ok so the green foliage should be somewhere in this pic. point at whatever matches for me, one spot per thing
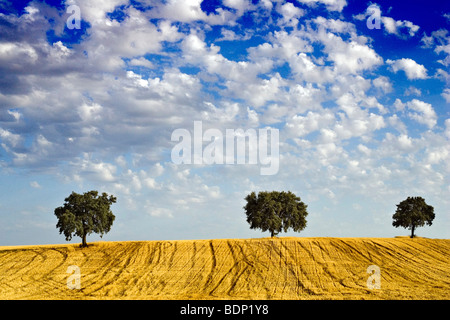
(412, 213)
(275, 211)
(85, 213)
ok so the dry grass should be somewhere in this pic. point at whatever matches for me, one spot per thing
(284, 268)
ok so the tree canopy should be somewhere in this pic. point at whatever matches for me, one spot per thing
(275, 211)
(412, 213)
(83, 214)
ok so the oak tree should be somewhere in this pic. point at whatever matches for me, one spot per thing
(412, 213)
(275, 211)
(85, 213)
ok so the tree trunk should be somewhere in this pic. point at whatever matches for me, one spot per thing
(271, 234)
(412, 231)
(84, 244)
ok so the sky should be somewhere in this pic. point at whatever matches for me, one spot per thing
(91, 92)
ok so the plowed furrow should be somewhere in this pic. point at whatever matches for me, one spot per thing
(279, 268)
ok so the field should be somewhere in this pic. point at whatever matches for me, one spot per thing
(280, 268)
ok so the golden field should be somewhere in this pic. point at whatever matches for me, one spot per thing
(279, 268)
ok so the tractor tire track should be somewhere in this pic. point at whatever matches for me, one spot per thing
(280, 268)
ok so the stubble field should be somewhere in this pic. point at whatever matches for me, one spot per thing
(281, 268)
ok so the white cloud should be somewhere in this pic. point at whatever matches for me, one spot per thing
(373, 9)
(259, 92)
(95, 11)
(446, 94)
(95, 170)
(424, 112)
(80, 111)
(128, 38)
(351, 57)
(299, 126)
(440, 39)
(396, 123)
(383, 83)
(393, 145)
(364, 149)
(399, 105)
(290, 14)
(240, 6)
(356, 122)
(141, 62)
(402, 29)
(336, 26)
(10, 139)
(190, 11)
(90, 113)
(418, 110)
(196, 52)
(158, 212)
(331, 5)
(11, 52)
(35, 184)
(413, 91)
(305, 69)
(282, 45)
(447, 128)
(412, 69)
(427, 40)
(438, 155)
(230, 35)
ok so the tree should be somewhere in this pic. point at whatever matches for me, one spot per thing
(85, 213)
(275, 211)
(412, 213)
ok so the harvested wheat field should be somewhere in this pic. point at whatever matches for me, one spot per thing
(280, 268)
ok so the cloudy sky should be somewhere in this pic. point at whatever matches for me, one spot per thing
(362, 112)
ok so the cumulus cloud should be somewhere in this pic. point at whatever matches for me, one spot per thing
(422, 112)
(412, 69)
(10, 139)
(440, 41)
(392, 144)
(95, 12)
(190, 11)
(313, 121)
(332, 5)
(383, 83)
(402, 29)
(35, 184)
(99, 110)
(95, 169)
(141, 62)
(418, 110)
(290, 14)
(357, 121)
(446, 94)
(447, 128)
(158, 212)
(353, 57)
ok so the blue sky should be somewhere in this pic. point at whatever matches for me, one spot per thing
(363, 114)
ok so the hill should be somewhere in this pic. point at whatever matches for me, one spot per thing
(281, 268)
